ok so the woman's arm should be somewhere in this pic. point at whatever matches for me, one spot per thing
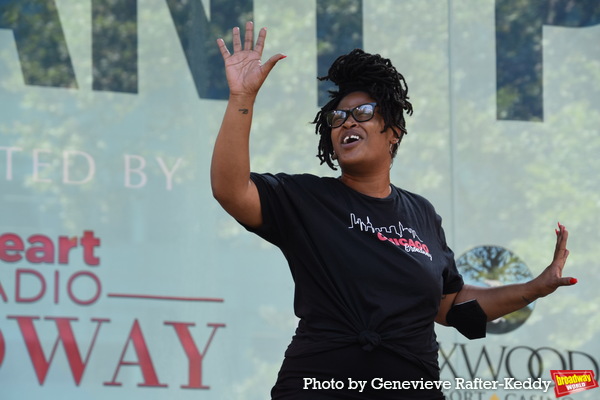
(230, 166)
(502, 300)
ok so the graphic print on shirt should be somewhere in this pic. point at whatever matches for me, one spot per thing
(406, 237)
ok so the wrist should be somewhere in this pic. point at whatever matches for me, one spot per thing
(242, 99)
(531, 291)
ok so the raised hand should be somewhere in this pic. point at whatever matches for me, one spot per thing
(551, 278)
(244, 70)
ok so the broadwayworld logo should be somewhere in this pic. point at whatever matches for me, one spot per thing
(572, 381)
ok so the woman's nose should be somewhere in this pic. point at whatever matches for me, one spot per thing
(350, 121)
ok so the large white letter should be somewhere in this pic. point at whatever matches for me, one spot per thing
(138, 170)
(9, 151)
(37, 164)
(90, 162)
(168, 174)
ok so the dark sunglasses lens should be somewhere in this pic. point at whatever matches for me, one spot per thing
(335, 118)
(363, 113)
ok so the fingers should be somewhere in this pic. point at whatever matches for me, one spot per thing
(248, 36)
(268, 66)
(223, 48)
(248, 40)
(562, 235)
(244, 62)
(260, 42)
(237, 41)
(561, 253)
(561, 229)
(569, 281)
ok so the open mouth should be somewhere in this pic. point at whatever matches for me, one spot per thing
(351, 139)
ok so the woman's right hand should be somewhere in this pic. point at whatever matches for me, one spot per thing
(244, 70)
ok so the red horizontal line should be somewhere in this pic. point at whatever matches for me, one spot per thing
(155, 297)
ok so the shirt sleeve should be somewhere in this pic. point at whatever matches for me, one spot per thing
(453, 281)
(274, 207)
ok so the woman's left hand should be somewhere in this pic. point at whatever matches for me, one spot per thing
(552, 277)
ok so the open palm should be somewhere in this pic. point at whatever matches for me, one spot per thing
(244, 70)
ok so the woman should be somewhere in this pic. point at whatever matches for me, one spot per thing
(370, 262)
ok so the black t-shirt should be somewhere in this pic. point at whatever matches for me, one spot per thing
(366, 270)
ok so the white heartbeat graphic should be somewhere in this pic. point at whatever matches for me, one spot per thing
(368, 227)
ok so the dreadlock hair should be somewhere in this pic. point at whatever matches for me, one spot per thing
(375, 75)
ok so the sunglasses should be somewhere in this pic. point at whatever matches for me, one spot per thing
(362, 113)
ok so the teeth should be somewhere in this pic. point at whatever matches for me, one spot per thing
(351, 137)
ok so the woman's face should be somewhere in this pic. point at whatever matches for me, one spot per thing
(361, 146)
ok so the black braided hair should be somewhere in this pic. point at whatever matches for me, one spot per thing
(375, 75)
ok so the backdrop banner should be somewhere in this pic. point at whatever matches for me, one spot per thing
(122, 278)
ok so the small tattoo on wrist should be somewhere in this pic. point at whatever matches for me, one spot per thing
(243, 110)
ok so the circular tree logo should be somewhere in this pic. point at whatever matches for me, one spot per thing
(496, 266)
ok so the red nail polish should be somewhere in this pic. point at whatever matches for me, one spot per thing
(573, 281)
